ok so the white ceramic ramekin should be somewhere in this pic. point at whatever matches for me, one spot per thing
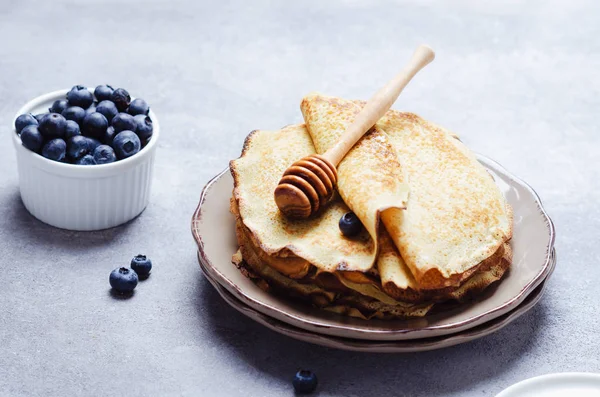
(78, 197)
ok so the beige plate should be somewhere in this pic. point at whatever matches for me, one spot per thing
(404, 346)
(213, 228)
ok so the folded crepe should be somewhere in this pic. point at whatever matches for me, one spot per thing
(370, 178)
(456, 216)
(311, 259)
(316, 241)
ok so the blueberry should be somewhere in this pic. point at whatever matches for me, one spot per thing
(126, 144)
(77, 147)
(91, 109)
(39, 117)
(24, 120)
(105, 154)
(141, 265)
(108, 109)
(124, 121)
(58, 106)
(109, 135)
(350, 224)
(93, 144)
(56, 149)
(145, 142)
(32, 138)
(71, 129)
(80, 96)
(88, 159)
(138, 106)
(53, 125)
(305, 382)
(121, 98)
(103, 92)
(74, 113)
(123, 280)
(94, 125)
(143, 126)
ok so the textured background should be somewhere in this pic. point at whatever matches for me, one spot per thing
(517, 80)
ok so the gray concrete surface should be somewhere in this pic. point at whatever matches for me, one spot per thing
(518, 80)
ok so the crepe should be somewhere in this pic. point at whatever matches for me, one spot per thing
(370, 178)
(457, 216)
(397, 281)
(317, 240)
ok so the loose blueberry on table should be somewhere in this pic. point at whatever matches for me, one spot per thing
(305, 382)
(83, 128)
(350, 225)
(123, 280)
(141, 265)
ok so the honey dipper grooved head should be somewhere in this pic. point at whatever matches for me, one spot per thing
(306, 186)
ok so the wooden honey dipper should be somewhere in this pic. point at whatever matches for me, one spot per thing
(308, 184)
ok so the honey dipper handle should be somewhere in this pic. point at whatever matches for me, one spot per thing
(379, 104)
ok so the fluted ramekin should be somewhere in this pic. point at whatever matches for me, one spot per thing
(78, 197)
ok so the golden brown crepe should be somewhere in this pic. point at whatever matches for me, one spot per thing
(318, 240)
(457, 216)
(370, 178)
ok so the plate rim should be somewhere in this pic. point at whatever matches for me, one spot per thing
(541, 379)
(382, 333)
(379, 346)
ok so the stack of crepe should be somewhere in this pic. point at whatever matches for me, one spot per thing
(436, 226)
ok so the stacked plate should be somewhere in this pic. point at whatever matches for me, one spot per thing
(534, 260)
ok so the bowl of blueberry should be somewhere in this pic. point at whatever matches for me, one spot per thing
(85, 157)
